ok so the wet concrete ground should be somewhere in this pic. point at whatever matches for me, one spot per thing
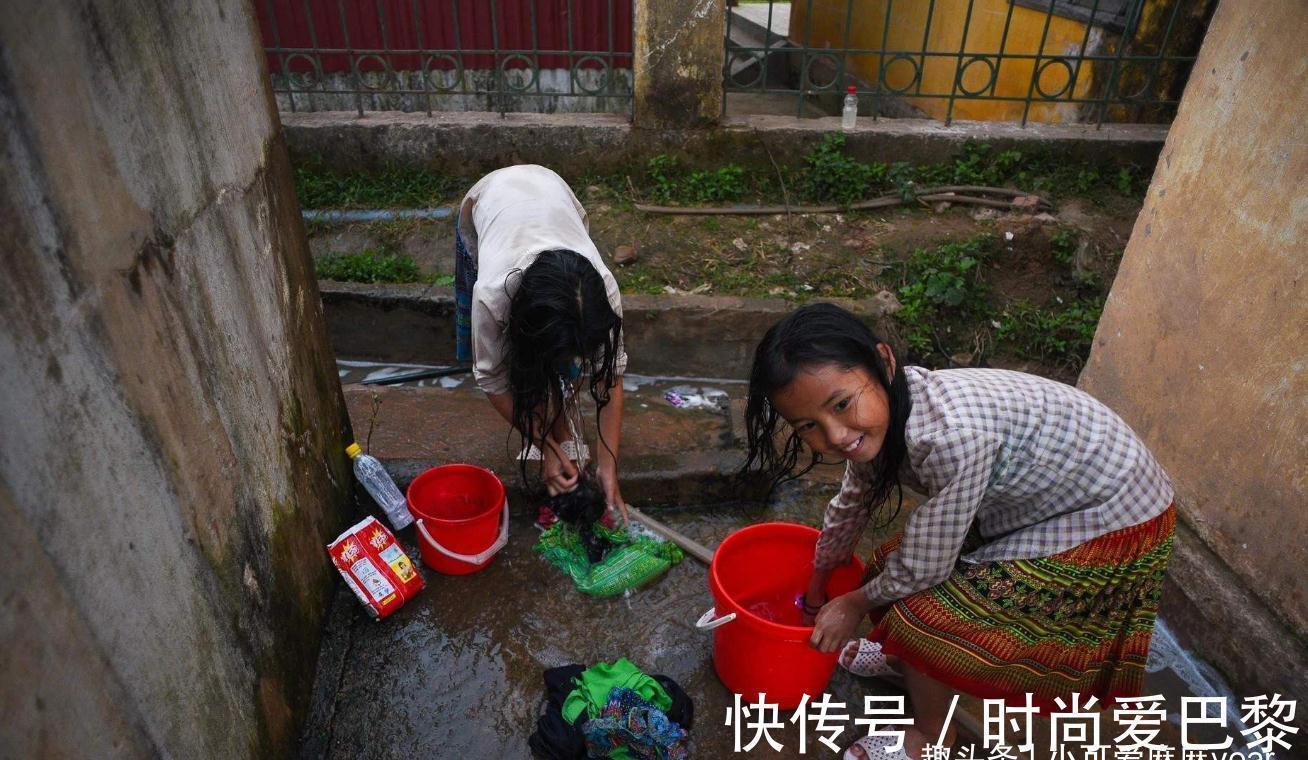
(457, 671)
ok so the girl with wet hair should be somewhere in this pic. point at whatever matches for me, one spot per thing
(1033, 567)
(540, 318)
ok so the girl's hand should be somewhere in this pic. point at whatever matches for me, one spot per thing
(836, 622)
(608, 478)
(560, 473)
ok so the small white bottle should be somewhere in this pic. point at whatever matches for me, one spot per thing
(850, 112)
(380, 487)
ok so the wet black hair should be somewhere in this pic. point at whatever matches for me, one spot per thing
(559, 313)
(814, 336)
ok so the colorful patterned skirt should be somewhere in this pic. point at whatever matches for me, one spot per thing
(1079, 621)
(465, 276)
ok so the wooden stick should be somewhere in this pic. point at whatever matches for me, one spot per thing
(692, 547)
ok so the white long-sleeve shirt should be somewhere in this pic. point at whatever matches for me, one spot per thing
(506, 220)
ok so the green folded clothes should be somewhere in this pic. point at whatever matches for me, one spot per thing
(595, 683)
(629, 563)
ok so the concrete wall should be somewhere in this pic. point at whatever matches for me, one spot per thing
(170, 461)
(470, 144)
(687, 335)
(1203, 346)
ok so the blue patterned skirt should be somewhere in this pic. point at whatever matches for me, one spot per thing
(465, 276)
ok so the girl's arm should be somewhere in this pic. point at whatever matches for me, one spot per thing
(843, 522)
(606, 455)
(958, 470)
(560, 474)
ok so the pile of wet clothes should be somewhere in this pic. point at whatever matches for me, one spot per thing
(612, 710)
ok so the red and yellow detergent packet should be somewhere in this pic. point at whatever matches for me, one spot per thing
(375, 567)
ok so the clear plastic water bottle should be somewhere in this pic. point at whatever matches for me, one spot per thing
(849, 113)
(380, 487)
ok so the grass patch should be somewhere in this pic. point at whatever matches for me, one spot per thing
(942, 288)
(669, 184)
(374, 266)
(392, 187)
(828, 174)
(1061, 336)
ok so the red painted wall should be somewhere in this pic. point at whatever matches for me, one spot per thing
(363, 30)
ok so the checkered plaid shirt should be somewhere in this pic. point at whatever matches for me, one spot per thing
(1038, 466)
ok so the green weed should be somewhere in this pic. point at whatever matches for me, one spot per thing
(369, 266)
(1063, 244)
(392, 187)
(830, 175)
(670, 185)
(942, 286)
(1060, 334)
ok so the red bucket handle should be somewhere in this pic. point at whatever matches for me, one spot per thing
(473, 559)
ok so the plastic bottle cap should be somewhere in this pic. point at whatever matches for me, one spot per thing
(851, 89)
(353, 450)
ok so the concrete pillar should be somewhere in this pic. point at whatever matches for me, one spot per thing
(678, 57)
(171, 426)
(1203, 346)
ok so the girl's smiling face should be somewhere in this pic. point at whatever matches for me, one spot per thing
(836, 411)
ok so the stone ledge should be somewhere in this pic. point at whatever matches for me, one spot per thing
(672, 335)
(470, 144)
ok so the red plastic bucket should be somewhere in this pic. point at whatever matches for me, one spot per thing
(759, 646)
(462, 517)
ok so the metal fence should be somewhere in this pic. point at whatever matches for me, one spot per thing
(435, 55)
(1016, 60)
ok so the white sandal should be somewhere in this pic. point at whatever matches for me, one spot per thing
(868, 661)
(875, 748)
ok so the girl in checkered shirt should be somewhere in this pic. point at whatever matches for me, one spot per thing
(1034, 565)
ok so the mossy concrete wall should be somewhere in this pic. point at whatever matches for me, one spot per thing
(171, 425)
(1203, 346)
(578, 145)
(680, 335)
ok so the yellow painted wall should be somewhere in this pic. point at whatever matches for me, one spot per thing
(907, 28)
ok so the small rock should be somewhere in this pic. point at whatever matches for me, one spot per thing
(1008, 236)
(886, 303)
(624, 254)
(797, 248)
(984, 214)
(740, 244)
(942, 206)
(806, 287)
(1045, 218)
(840, 218)
(1027, 202)
(962, 359)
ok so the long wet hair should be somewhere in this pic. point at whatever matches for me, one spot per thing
(811, 337)
(559, 314)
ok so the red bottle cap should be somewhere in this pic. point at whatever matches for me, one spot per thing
(851, 89)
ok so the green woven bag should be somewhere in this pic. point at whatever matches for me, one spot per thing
(632, 562)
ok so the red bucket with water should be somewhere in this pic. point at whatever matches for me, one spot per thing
(760, 646)
(462, 517)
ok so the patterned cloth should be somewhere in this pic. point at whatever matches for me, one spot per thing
(465, 277)
(629, 726)
(1076, 622)
(1037, 465)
